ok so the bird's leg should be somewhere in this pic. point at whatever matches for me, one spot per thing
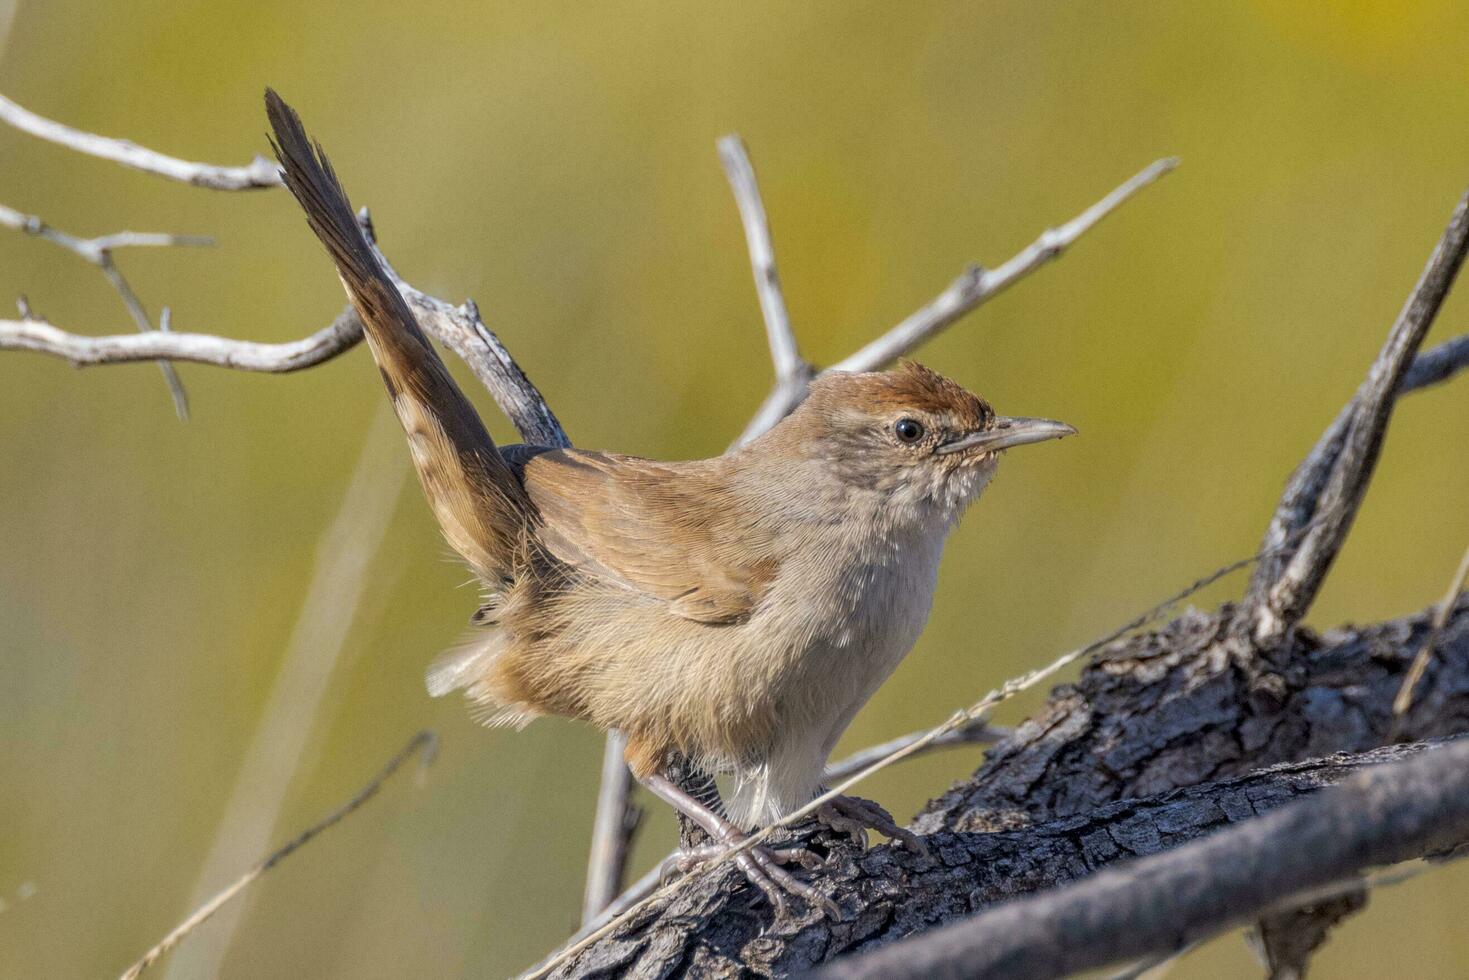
(852, 815)
(761, 865)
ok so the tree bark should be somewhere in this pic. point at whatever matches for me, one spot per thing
(1165, 737)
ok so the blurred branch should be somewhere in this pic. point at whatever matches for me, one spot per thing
(1436, 365)
(613, 827)
(1385, 814)
(258, 173)
(98, 252)
(1333, 478)
(423, 742)
(974, 287)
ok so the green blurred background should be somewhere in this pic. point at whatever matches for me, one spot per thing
(556, 162)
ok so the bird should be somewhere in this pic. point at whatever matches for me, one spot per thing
(734, 612)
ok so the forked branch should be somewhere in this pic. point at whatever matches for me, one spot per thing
(1333, 479)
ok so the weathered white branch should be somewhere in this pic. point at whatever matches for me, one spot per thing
(976, 286)
(784, 351)
(241, 355)
(258, 173)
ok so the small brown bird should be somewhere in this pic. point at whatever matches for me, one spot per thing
(734, 611)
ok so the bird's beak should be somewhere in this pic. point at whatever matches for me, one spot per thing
(1006, 433)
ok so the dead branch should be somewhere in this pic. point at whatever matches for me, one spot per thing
(1335, 476)
(258, 173)
(1386, 813)
(33, 334)
(1171, 711)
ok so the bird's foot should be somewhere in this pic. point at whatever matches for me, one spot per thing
(853, 816)
(762, 867)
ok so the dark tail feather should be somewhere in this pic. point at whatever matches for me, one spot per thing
(478, 501)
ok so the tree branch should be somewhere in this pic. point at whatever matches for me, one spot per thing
(1333, 479)
(98, 252)
(37, 335)
(976, 286)
(784, 351)
(258, 173)
(1391, 812)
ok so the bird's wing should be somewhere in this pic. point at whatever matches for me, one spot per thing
(669, 530)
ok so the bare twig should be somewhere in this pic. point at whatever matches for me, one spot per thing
(423, 742)
(1336, 473)
(1404, 700)
(33, 334)
(973, 288)
(98, 252)
(741, 173)
(975, 285)
(1389, 813)
(258, 173)
(1306, 484)
(974, 733)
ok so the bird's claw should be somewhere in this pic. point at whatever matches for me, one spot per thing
(762, 867)
(853, 816)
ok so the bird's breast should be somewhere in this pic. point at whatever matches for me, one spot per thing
(842, 616)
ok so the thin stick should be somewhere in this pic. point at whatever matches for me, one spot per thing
(976, 286)
(98, 252)
(741, 173)
(1404, 699)
(974, 733)
(258, 173)
(424, 742)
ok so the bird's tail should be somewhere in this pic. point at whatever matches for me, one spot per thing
(481, 506)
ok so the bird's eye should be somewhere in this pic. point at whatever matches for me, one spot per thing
(908, 430)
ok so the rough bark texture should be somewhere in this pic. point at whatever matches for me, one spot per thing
(1165, 737)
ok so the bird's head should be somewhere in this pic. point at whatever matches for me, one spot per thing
(911, 435)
